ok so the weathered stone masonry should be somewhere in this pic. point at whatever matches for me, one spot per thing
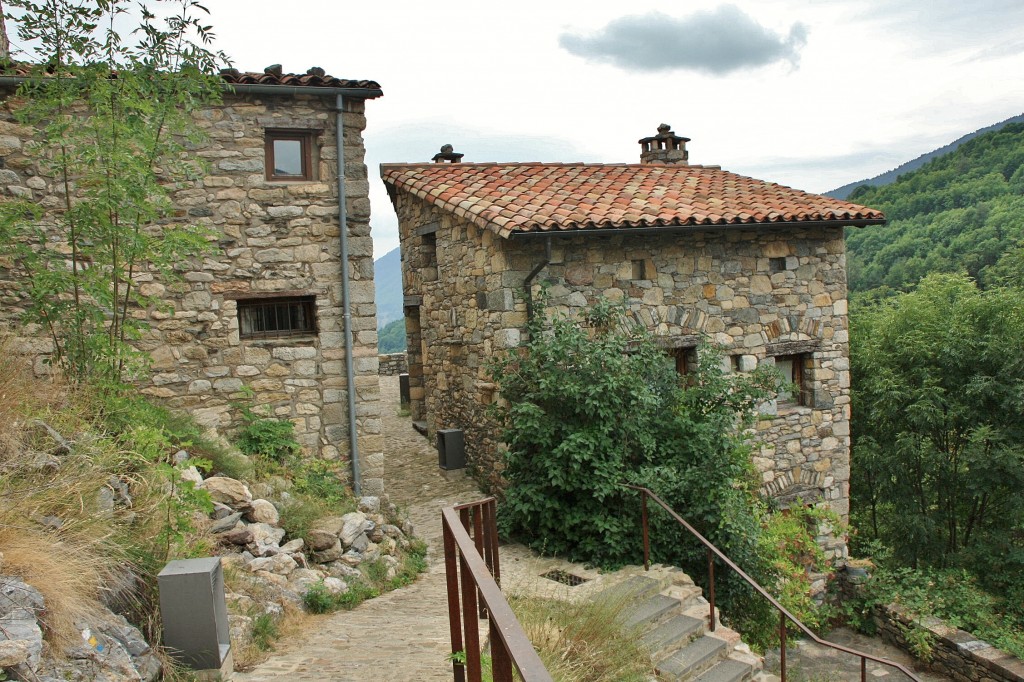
(273, 239)
(714, 283)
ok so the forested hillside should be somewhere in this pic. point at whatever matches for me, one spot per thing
(904, 168)
(960, 212)
(387, 277)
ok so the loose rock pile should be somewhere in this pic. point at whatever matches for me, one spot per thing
(279, 572)
(268, 572)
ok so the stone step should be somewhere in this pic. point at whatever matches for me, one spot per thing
(631, 589)
(650, 612)
(672, 634)
(726, 671)
(697, 657)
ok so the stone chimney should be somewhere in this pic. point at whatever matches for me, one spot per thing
(448, 154)
(664, 148)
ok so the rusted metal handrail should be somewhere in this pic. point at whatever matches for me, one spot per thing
(472, 572)
(784, 614)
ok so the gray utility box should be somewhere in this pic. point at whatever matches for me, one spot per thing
(403, 389)
(195, 616)
(451, 449)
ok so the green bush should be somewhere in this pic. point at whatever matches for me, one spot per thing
(318, 599)
(595, 403)
(270, 438)
(950, 594)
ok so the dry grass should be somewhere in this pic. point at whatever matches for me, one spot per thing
(69, 576)
(71, 565)
(584, 641)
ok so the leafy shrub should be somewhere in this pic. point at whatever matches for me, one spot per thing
(595, 403)
(270, 438)
(950, 594)
(264, 631)
(318, 599)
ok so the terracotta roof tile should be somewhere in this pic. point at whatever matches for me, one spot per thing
(542, 197)
(314, 77)
(273, 75)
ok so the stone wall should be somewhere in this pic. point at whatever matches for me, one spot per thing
(271, 239)
(760, 294)
(955, 653)
(393, 364)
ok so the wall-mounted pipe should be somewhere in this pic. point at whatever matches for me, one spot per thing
(528, 282)
(346, 311)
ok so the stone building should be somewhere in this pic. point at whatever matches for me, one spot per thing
(694, 251)
(283, 305)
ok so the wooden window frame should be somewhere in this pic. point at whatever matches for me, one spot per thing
(802, 395)
(282, 327)
(305, 138)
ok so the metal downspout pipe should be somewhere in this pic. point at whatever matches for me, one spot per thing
(528, 282)
(350, 375)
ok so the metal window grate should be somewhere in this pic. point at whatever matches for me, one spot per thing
(560, 576)
(277, 317)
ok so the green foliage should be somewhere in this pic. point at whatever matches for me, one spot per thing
(116, 147)
(594, 404)
(264, 631)
(391, 338)
(273, 439)
(961, 211)
(318, 599)
(950, 594)
(486, 665)
(937, 442)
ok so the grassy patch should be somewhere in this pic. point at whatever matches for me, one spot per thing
(583, 641)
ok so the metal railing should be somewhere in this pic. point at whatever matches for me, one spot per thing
(784, 614)
(473, 572)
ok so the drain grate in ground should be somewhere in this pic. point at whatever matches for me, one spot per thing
(569, 579)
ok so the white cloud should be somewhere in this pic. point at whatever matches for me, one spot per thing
(717, 42)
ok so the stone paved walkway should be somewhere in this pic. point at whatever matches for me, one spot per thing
(402, 635)
(810, 662)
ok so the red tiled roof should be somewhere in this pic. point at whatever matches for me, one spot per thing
(549, 197)
(315, 77)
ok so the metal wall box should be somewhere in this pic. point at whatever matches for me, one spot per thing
(195, 616)
(403, 389)
(451, 449)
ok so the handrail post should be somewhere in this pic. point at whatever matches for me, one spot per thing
(647, 537)
(863, 669)
(782, 646)
(451, 571)
(711, 588)
(471, 627)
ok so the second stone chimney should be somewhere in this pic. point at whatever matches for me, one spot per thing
(664, 148)
(448, 154)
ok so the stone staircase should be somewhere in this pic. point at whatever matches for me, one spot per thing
(671, 615)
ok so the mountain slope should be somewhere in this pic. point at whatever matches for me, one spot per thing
(963, 211)
(891, 176)
(387, 278)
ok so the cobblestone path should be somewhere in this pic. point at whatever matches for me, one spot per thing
(402, 635)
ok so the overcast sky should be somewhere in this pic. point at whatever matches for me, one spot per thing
(808, 93)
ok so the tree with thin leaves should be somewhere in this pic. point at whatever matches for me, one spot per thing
(113, 116)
